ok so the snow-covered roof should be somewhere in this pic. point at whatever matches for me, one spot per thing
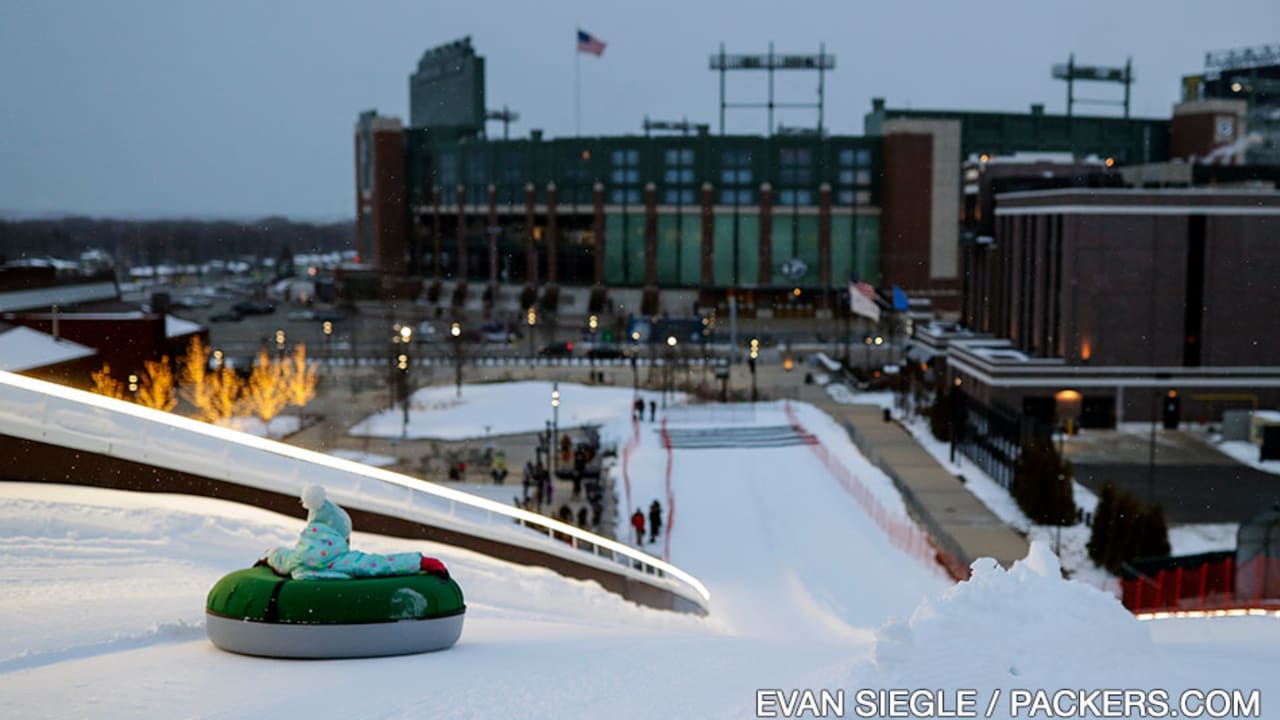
(177, 327)
(22, 348)
(57, 295)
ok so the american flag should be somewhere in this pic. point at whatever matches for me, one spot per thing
(588, 43)
(862, 299)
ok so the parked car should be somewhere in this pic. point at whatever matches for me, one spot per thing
(302, 315)
(227, 316)
(329, 315)
(560, 349)
(253, 307)
(606, 352)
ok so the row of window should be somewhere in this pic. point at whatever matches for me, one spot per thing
(795, 168)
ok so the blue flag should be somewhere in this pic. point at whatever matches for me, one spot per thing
(900, 299)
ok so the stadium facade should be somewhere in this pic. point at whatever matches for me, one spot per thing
(756, 216)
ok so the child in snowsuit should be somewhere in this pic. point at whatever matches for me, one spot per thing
(637, 522)
(323, 549)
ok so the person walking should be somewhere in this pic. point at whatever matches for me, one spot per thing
(498, 468)
(527, 480)
(637, 409)
(637, 522)
(653, 410)
(655, 521)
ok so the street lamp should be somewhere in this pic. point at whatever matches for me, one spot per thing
(532, 318)
(280, 342)
(751, 363)
(670, 369)
(455, 331)
(402, 379)
(327, 328)
(555, 422)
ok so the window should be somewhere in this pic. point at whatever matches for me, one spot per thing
(447, 172)
(683, 196)
(682, 156)
(624, 196)
(681, 176)
(795, 164)
(735, 197)
(795, 197)
(625, 157)
(622, 176)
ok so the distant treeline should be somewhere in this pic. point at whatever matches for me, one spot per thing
(154, 242)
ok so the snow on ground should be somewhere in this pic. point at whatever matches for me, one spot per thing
(1247, 453)
(366, 458)
(102, 613)
(499, 409)
(1202, 538)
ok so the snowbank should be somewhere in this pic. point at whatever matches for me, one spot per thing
(1022, 627)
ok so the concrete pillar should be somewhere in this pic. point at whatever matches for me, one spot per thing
(766, 235)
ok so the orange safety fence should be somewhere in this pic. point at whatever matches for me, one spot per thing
(902, 532)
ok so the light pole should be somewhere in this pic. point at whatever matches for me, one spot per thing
(532, 318)
(455, 331)
(635, 363)
(671, 358)
(751, 363)
(280, 343)
(327, 328)
(402, 364)
(555, 421)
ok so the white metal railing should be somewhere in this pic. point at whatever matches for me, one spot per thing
(59, 415)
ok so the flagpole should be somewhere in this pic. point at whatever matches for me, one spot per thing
(577, 88)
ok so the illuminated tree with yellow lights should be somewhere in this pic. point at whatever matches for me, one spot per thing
(197, 381)
(104, 384)
(299, 377)
(266, 393)
(156, 389)
(225, 387)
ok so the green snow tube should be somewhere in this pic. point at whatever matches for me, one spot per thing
(256, 612)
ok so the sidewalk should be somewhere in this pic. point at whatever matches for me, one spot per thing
(968, 529)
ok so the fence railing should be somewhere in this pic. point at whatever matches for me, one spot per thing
(929, 547)
(57, 415)
(1213, 586)
(709, 413)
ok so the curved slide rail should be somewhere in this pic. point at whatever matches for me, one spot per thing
(55, 415)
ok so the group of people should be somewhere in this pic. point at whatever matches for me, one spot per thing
(637, 410)
(655, 523)
(539, 489)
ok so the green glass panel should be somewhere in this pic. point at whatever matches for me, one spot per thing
(867, 234)
(807, 249)
(691, 251)
(722, 251)
(613, 248)
(783, 245)
(635, 249)
(748, 249)
(669, 250)
(842, 246)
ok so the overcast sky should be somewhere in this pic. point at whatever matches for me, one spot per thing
(244, 109)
